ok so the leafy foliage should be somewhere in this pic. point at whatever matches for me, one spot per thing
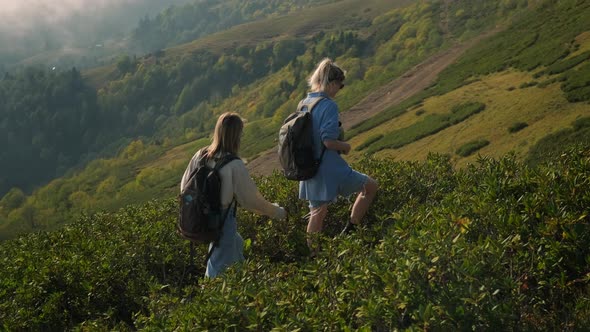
(497, 245)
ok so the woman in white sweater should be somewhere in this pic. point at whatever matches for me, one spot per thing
(235, 183)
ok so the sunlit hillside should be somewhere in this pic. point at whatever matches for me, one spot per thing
(170, 100)
(491, 101)
(544, 110)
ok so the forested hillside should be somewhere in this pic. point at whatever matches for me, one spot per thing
(181, 24)
(96, 35)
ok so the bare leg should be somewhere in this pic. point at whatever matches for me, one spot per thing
(363, 201)
(315, 225)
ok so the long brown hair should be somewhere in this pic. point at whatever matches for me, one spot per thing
(227, 135)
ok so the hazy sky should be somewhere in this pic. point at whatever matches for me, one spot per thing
(31, 26)
(25, 15)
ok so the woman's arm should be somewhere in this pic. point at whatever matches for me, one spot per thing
(337, 145)
(249, 197)
(330, 129)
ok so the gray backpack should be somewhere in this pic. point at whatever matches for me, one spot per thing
(296, 146)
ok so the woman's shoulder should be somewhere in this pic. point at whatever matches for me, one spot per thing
(328, 107)
(235, 163)
(327, 101)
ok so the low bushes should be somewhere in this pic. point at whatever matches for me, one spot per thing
(498, 245)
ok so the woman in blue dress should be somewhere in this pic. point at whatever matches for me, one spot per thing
(334, 177)
(236, 184)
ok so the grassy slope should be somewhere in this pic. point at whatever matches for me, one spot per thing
(545, 110)
(532, 47)
(306, 23)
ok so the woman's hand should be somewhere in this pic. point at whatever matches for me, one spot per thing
(346, 149)
(340, 146)
(282, 214)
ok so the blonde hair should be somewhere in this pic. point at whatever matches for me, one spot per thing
(326, 72)
(227, 135)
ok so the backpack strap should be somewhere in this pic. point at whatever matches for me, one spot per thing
(224, 161)
(200, 161)
(310, 106)
(216, 243)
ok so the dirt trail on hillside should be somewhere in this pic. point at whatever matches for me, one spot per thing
(413, 81)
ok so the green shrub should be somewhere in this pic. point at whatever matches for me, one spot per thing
(555, 144)
(429, 125)
(469, 148)
(563, 65)
(99, 268)
(463, 111)
(517, 126)
(577, 84)
(581, 123)
(528, 84)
